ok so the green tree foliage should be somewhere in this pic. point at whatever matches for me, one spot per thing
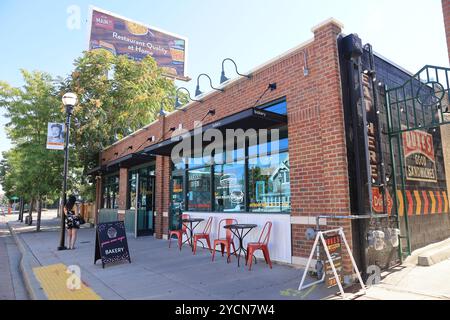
(29, 170)
(117, 96)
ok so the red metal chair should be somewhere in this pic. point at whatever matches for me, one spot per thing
(262, 244)
(179, 233)
(227, 242)
(204, 235)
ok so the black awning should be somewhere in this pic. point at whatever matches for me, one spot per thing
(97, 170)
(130, 160)
(248, 119)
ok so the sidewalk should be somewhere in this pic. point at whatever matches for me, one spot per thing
(12, 286)
(413, 282)
(157, 272)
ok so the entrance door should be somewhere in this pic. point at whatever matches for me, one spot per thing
(145, 205)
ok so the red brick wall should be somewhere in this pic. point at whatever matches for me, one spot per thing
(123, 192)
(446, 11)
(319, 179)
(98, 197)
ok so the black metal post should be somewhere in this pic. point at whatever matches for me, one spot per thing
(66, 167)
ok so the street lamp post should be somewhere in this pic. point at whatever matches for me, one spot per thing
(69, 100)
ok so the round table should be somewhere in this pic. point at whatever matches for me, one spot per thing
(240, 231)
(191, 228)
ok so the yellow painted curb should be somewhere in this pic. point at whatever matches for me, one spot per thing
(61, 284)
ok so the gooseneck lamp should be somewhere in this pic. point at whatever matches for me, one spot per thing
(178, 104)
(197, 90)
(223, 78)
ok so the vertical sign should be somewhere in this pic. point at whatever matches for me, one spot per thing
(334, 246)
(55, 136)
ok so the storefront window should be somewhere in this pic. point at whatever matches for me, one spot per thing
(111, 192)
(275, 142)
(199, 189)
(280, 107)
(177, 192)
(229, 187)
(250, 178)
(269, 184)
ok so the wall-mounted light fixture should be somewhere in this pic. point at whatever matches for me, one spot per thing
(151, 139)
(371, 73)
(178, 104)
(211, 112)
(197, 89)
(162, 112)
(223, 78)
(272, 86)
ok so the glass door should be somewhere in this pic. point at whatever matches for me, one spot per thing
(145, 205)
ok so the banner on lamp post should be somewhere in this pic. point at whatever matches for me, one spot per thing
(55, 136)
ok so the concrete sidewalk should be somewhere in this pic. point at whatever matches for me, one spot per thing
(411, 281)
(157, 272)
(11, 282)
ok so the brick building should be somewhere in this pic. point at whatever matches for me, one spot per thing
(446, 12)
(323, 156)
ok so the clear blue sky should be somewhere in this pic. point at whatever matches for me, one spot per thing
(34, 34)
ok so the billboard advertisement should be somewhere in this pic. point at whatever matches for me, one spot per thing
(55, 136)
(122, 36)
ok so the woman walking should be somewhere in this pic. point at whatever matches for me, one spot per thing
(72, 222)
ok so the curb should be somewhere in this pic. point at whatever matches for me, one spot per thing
(434, 256)
(415, 292)
(27, 263)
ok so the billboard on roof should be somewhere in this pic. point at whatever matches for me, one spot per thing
(123, 36)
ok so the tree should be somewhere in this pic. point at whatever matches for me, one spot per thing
(31, 171)
(116, 96)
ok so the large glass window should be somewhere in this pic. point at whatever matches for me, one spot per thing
(255, 178)
(199, 189)
(111, 192)
(229, 187)
(269, 184)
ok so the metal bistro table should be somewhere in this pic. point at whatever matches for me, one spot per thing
(240, 231)
(191, 228)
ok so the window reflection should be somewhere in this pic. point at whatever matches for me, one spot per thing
(229, 187)
(251, 179)
(199, 189)
(111, 192)
(269, 184)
